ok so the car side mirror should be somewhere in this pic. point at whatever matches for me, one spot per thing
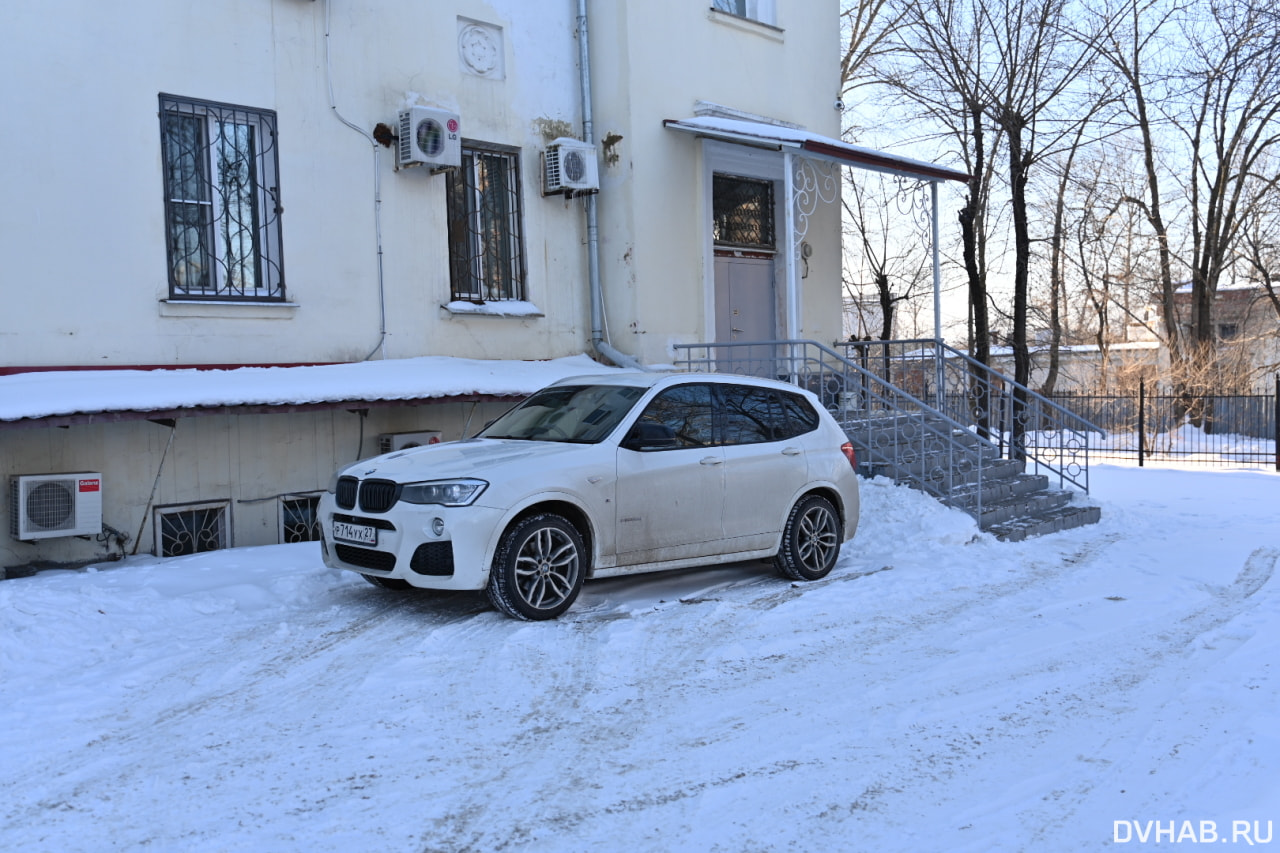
(649, 435)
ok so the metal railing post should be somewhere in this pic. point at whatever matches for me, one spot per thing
(1142, 429)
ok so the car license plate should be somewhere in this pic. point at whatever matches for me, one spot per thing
(360, 534)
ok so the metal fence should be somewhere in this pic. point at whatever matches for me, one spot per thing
(1215, 430)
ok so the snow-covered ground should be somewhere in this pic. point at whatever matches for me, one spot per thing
(939, 691)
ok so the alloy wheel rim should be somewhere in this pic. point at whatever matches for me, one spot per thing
(817, 540)
(546, 568)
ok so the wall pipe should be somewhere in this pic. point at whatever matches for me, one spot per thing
(377, 189)
(598, 343)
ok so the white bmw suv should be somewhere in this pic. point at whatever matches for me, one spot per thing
(600, 476)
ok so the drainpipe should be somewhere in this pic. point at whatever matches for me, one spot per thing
(598, 342)
(377, 188)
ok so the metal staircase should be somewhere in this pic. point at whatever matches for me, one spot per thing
(929, 416)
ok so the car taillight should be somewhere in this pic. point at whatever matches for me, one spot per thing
(850, 454)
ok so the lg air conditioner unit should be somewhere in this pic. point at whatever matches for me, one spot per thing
(569, 167)
(391, 441)
(46, 506)
(430, 137)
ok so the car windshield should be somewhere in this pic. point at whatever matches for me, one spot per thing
(583, 414)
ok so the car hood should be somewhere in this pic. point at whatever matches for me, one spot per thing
(475, 457)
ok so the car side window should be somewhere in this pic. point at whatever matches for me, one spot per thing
(751, 415)
(679, 417)
(798, 413)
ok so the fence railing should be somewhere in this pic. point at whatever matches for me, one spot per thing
(1237, 429)
(1024, 425)
(890, 427)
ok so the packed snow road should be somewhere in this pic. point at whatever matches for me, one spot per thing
(939, 691)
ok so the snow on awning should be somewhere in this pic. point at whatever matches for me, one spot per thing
(777, 138)
(62, 397)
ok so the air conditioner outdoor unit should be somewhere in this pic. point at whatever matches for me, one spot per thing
(45, 506)
(390, 441)
(569, 167)
(429, 136)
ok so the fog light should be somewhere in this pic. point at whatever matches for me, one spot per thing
(437, 526)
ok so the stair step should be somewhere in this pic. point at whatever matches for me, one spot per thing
(1035, 505)
(996, 490)
(1065, 518)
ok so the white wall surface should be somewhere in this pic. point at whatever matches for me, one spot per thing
(83, 223)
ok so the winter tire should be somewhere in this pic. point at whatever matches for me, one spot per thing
(810, 540)
(538, 570)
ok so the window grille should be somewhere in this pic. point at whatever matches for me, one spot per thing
(486, 246)
(299, 521)
(191, 529)
(742, 212)
(733, 7)
(222, 201)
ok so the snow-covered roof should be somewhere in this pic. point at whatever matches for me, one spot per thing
(763, 135)
(49, 394)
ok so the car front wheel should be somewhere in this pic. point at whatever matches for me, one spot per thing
(538, 570)
(810, 541)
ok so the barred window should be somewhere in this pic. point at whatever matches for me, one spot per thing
(190, 529)
(742, 211)
(221, 200)
(486, 247)
(300, 519)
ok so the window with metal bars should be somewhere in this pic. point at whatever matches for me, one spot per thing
(190, 529)
(221, 201)
(299, 520)
(486, 244)
(742, 212)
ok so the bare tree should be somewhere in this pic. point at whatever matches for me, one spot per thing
(897, 268)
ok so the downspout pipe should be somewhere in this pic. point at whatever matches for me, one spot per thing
(377, 187)
(598, 343)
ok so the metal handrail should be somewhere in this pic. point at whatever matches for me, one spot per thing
(1031, 426)
(889, 426)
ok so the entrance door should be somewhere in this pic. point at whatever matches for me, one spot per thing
(745, 243)
(744, 297)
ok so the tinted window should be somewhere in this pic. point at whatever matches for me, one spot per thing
(751, 415)
(678, 417)
(798, 414)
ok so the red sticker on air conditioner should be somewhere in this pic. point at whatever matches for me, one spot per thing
(90, 485)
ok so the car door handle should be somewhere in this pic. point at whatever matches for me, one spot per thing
(712, 460)
(791, 451)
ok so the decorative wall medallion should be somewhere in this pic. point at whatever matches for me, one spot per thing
(480, 49)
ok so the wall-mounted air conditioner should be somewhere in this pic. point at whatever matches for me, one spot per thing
(44, 506)
(569, 167)
(390, 441)
(430, 137)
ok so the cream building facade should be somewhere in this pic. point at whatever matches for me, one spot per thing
(219, 185)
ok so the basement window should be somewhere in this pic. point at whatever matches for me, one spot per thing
(191, 529)
(299, 519)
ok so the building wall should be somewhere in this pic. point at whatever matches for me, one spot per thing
(243, 461)
(83, 227)
(652, 200)
(86, 276)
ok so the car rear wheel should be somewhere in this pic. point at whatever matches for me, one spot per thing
(538, 570)
(810, 541)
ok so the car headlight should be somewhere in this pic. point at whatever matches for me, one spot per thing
(332, 488)
(443, 492)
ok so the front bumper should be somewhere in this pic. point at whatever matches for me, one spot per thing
(408, 547)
